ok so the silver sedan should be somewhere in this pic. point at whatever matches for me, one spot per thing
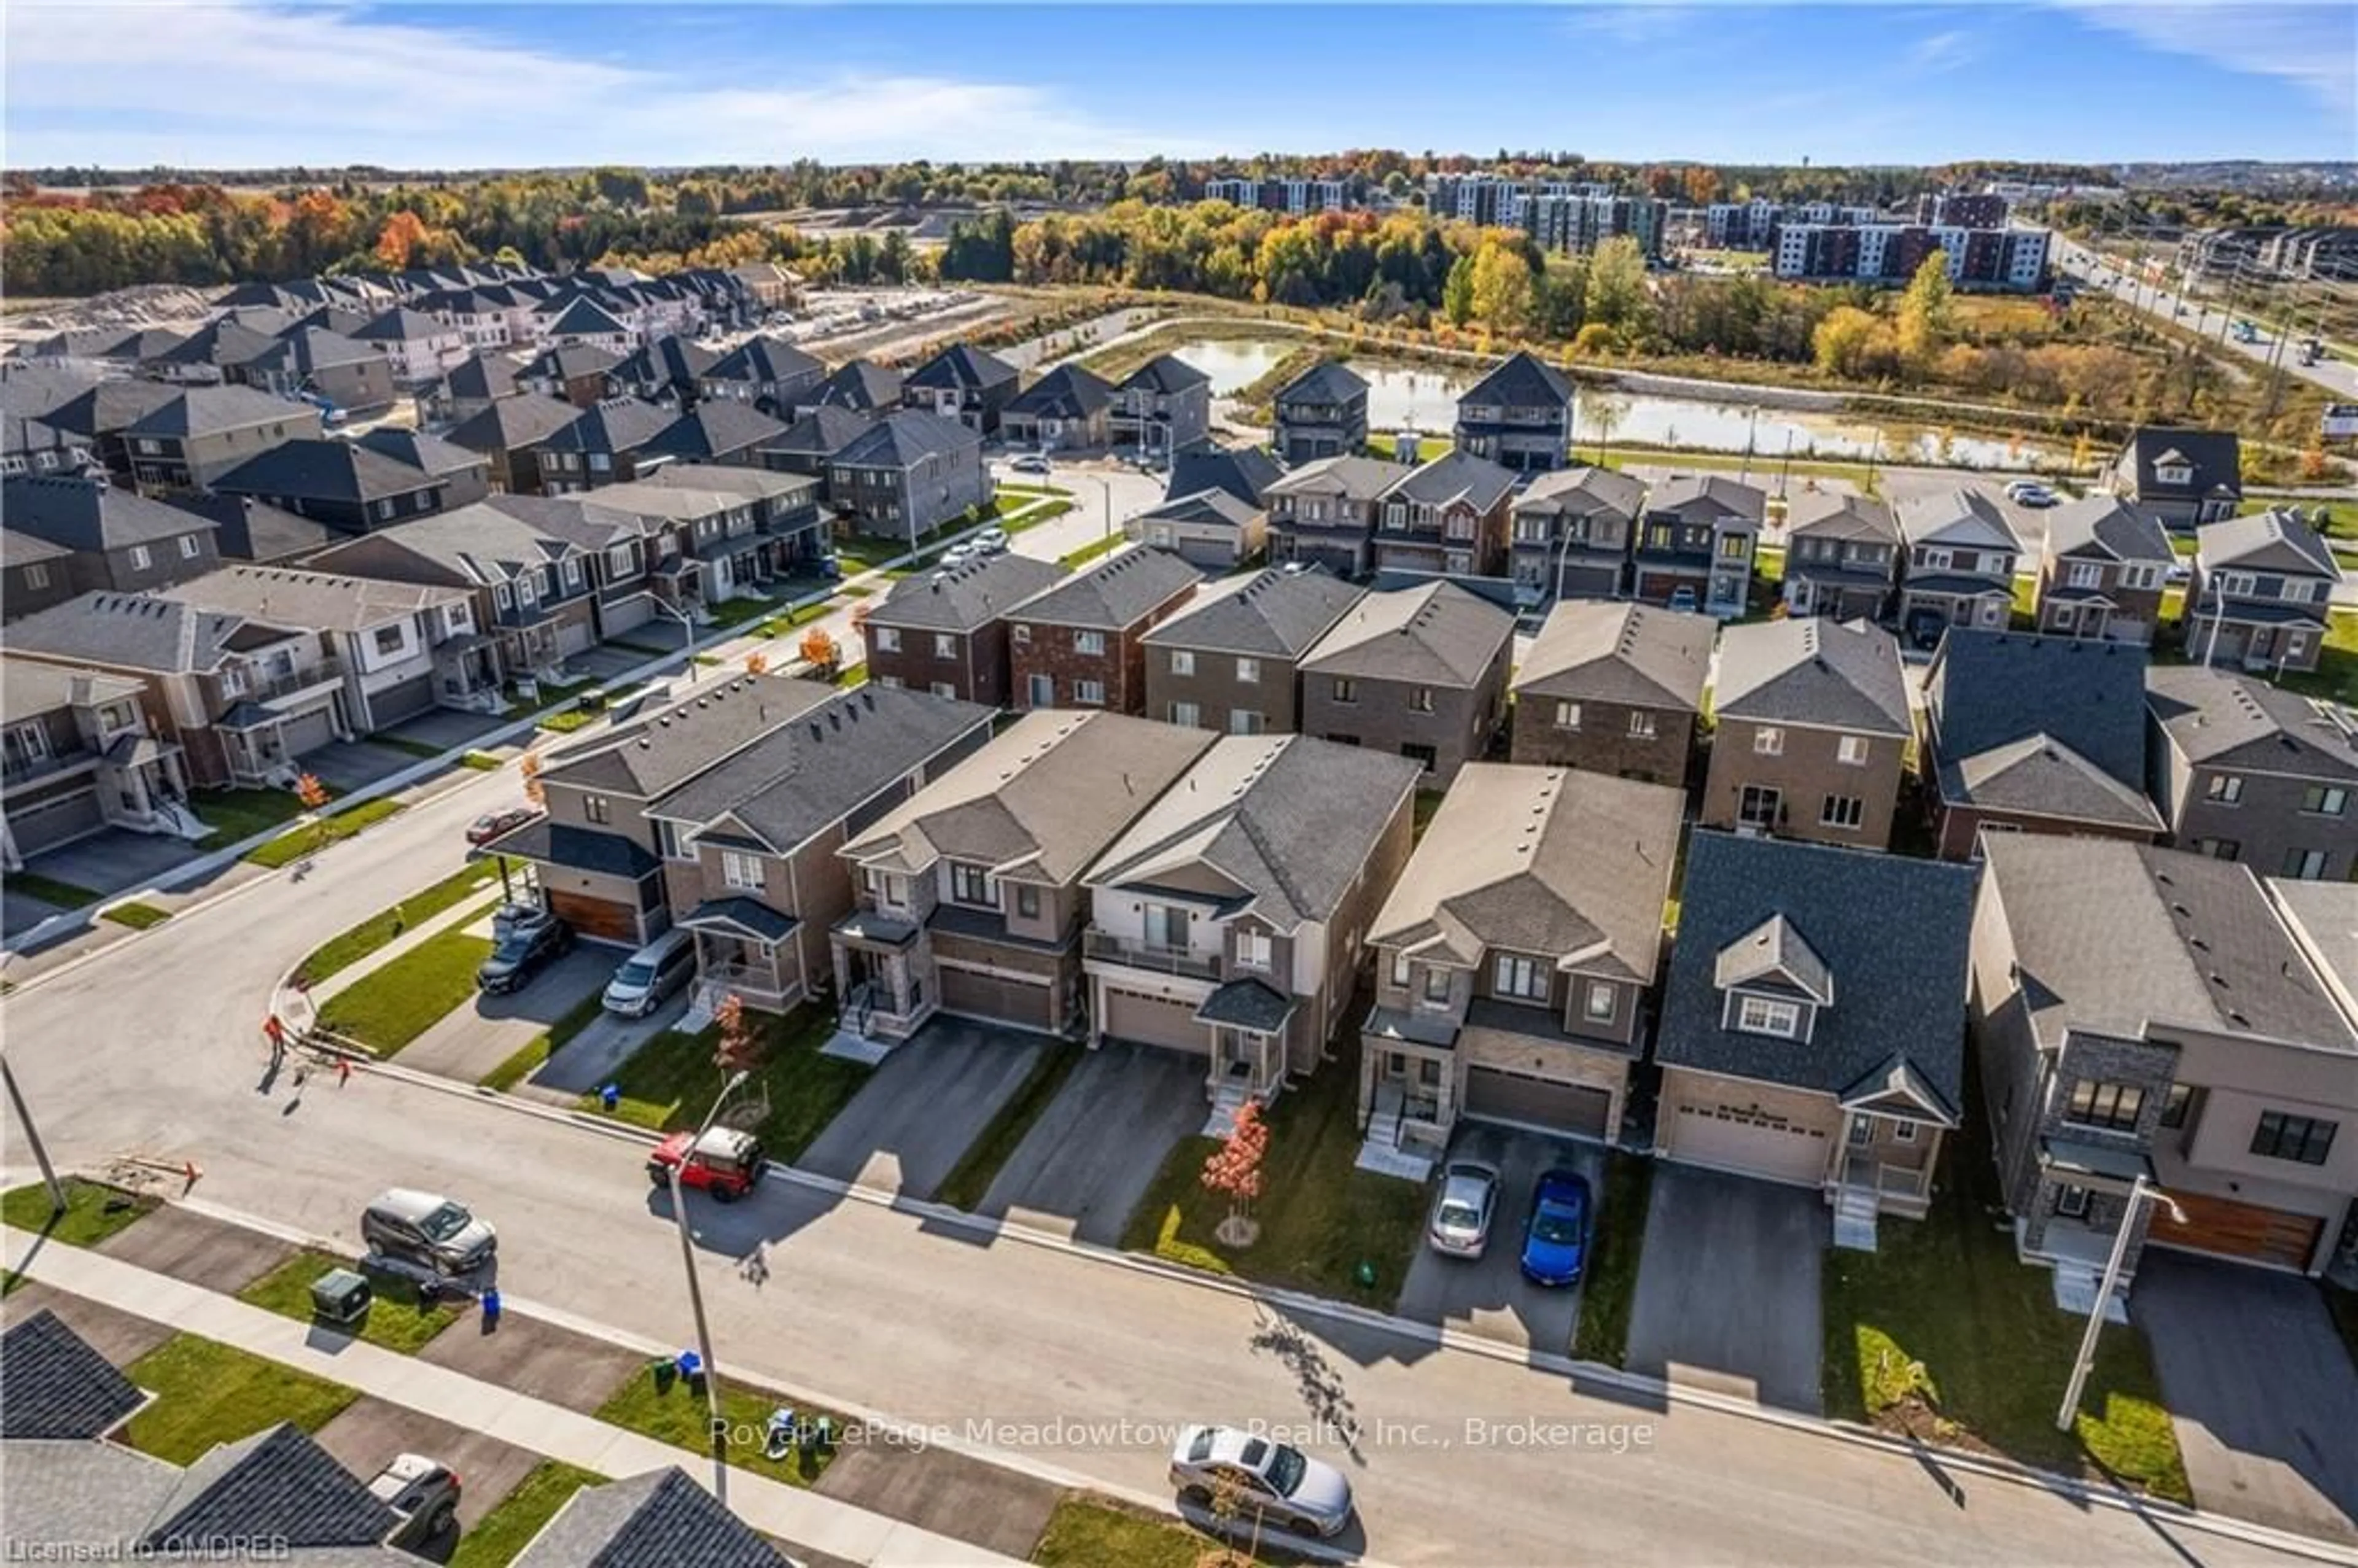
(1463, 1209)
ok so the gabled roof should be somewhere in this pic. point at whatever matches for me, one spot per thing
(316, 600)
(79, 514)
(2105, 527)
(583, 317)
(1891, 937)
(129, 631)
(1353, 478)
(110, 406)
(2044, 726)
(1851, 519)
(1282, 823)
(221, 343)
(961, 598)
(30, 688)
(1328, 381)
(1435, 635)
(1245, 473)
(765, 359)
(1583, 491)
(511, 423)
(206, 410)
(1595, 650)
(1809, 670)
(305, 351)
(1164, 374)
(670, 360)
(278, 1486)
(2225, 719)
(1707, 498)
(1114, 594)
(2266, 541)
(1204, 509)
(718, 427)
(58, 1387)
(1067, 391)
(482, 376)
(860, 385)
(729, 480)
(578, 519)
(1960, 517)
(1521, 382)
(1776, 954)
(250, 530)
(821, 433)
(1272, 614)
(570, 361)
(320, 468)
(400, 325)
(429, 454)
(1041, 801)
(479, 543)
(2215, 456)
(666, 746)
(962, 367)
(614, 425)
(1572, 866)
(905, 438)
(1455, 477)
(660, 1520)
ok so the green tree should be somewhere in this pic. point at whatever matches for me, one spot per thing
(1457, 293)
(1926, 313)
(1617, 288)
(1501, 284)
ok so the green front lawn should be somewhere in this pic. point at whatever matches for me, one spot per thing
(388, 1008)
(481, 761)
(346, 948)
(313, 837)
(1074, 559)
(1320, 1217)
(971, 1177)
(397, 1320)
(738, 610)
(524, 1063)
(671, 1082)
(675, 1413)
(1603, 1333)
(508, 1529)
(236, 814)
(48, 890)
(1943, 1333)
(1087, 1533)
(136, 915)
(2336, 675)
(94, 1211)
(208, 1394)
(852, 675)
(425, 751)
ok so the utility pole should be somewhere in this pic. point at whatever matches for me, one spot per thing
(33, 1137)
(716, 1432)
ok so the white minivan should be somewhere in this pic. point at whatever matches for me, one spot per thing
(651, 974)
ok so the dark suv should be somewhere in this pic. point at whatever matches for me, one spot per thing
(523, 953)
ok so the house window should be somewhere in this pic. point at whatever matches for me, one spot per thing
(1399, 969)
(1420, 699)
(620, 561)
(1567, 716)
(1027, 902)
(1602, 1002)
(1253, 949)
(741, 871)
(2177, 1108)
(2235, 583)
(1186, 715)
(2085, 574)
(1436, 984)
(2304, 865)
(1516, 976)
(2114, 1106)
(972, 885)
(596, 808)
(2224, 789)
(1641, 724)
(527, 589)
(2072, 1202)
(1845, 811)
(601, 462)
(1088, 694)
(1852, 751)
(1346, 689)
(2219, 849)
(1769, 741)
(888, 638)
(1183, 662)
(1245, 721)
(188, 547)
(945, 646)
(384, 511)
(140, 558)
(1932, 560)
(1760, 806)
(572, 571)
(1166, 927)
(1248, 672)
(1903, 1132)
(1089, 641)
(1734, 546)
(1764, 1015)
(2304, 1140)
(1021, 634)
(2324, 800)
(37, 576)
(1423, 755)
(673, 844)
(389, 639)
(501, 597)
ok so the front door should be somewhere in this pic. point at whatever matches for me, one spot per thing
(1041, 691)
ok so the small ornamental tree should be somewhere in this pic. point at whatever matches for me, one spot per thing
(534, 790)
(819, 649)
(739, 1048)
(757, 664)
(311, 791)
(1233, 1171)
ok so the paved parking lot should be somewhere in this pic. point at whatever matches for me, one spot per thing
(1727, 1293)
(1094, 1152)
(2260, 1388)
(1489, 1294)
(910, 1124)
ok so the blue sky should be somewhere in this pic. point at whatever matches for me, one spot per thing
(254, 84)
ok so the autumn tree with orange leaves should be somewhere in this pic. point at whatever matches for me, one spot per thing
(1234, 1172)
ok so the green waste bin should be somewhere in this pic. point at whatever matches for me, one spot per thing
(342, 1295)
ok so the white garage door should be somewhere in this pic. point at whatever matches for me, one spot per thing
(309, 732)
(1734, 1138)
(1492, 1095)
(574, 637)
(53, 822)
(1153, 1020)
(628, 614)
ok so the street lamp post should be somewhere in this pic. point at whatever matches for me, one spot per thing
(33, 1137)
(696, 1290)
(2142, 1192)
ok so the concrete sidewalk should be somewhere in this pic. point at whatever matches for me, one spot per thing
(817, 1523)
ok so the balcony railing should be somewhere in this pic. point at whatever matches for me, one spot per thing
(1895, 1181)
(18, 770)
(1162, 960)
(258, 689)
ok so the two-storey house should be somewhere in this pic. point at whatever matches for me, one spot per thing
(35, 575)
(907, 474)
(1572, 534)
(1958, 567)
(2243, 770)
(611, 442)
(1814, 1021)
(417, 347)
(351, 488)
(964, 384)
(1814, 733)
(1613, 688)
(1078, 643)
(946, 630)
(811, 444)
(1322, 412)
(204, 432)
(467, 388)
(574, 372)
(1229, 660)
(721, 433)
(622, 552)
(2028, 734)
(769, 373)
(1162, 407)
(2180, 477)
(1070, 408)
(77, 755)
(1324, 513)
(2262, 589)
(970, 899)
(1446, 515)
(1694, 544)
(314, 363)
(1211, 529)
(2101, 571)
(1842, 556)
(509, 435)
(1518, 416)
(77, 534)
(862, 386)
(1226, 922)
(1245, 473)
(1419, 671)
(465, 473)
(666, 370)
(2150, 1015)
(1513, 959)
(582, 322)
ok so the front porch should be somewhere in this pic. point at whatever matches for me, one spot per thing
(263, 743)
(1408, 1090)
(884, 972)
(1247, 1021)
(747, 950)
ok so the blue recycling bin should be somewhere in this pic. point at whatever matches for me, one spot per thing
(611, 1096)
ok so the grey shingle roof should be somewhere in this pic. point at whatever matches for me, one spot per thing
(430, 454)
(1113, 594)
(1165, 374)
(1598, 651)
(616, 425)
(1898, 998)
(962, 367)
(110, 406)
(576, 519)
(961, 598)
(482, 376)
(576, 849)
(1357, 478)
(585, 318)
(862, 385)
(1852, 519)
(1569, 864)
(1205, 508)
(1452, 477)
(2216, 457)
(1583, 491)
(479, 543)
(1328, 381)
(1961, 516)
(2266, 541)
(277, 1485)
(2226, 718)
(821, 433)
(571, 361)
(765, 359)
(79, 514)
(803, 777)
(1246, 1004)
(666, 746)
(94, 1494)
(220, 343)
(401, 324)
(318, 467)
(671, 359)
(1773, 952)
(1245, 473)
(1521, 382)
(2112, 936)
(317, 600)
(2051, 725)
(27, 688)
(1272, 613)
(511, 424)
(661, 1519)
(1706, 498)
(1437, 633)
(1067, 391)
(128, 631)
(717, 428)
(904, 437)
(58, 1387)
(2105, 525)
(1286, 821)
(208, 410)
(1809, 670)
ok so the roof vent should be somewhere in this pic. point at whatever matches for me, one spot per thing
(815, 731)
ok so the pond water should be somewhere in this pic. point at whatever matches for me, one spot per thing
(1400, 399)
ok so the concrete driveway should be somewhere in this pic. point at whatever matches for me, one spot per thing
(2260, 1388)
(484, 1031)
(1488, 1294)
(348, 766)
(371, 1433)
(444, 727)
(593, 1056)
(1097, 1147)
(910, 1122)
(110, 861)
(1727, 1295)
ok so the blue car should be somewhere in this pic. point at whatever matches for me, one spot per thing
(1555, 1238)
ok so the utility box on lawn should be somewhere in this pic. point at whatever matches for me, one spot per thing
(341, 1295)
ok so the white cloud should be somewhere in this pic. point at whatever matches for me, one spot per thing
(1943, 51)
(243, 84)
(2312, 46)
(1628, 25)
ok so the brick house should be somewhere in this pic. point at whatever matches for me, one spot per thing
(1613, 688)
(944, 631)
(575, 372)
(1080, 642)
(769, 373)
(908, 474)
(608, 443)
(2101, 571)
(2243, 770)
(1571, 533)
(964, 384)
(509, 435)
(1421, 671)
(349, 487)
(1229, 660)
(74, 533)
(2261, 593)
(1841, 557)
(1324, 513)
(1447, 515)
(1813, 732)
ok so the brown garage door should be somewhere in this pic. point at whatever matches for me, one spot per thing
(599, 917)
(1149, 1020)
(974, 994)
(2244, 1230)
(1492, 1095)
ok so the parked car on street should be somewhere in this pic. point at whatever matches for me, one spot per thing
(2031, 492)
(1283, 1486)
(497, 823)
(991, 541)
(958, 554)
(724, 1161)
(1463, 1209)
(1555, 1236)
(521, 955)
(651, 974)
(425, 1493)
(427, 1229)
(1030, 463)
